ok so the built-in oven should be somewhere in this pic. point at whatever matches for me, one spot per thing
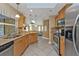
(56, 39)
(56, 43)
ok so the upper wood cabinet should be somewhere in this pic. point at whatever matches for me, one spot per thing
(21, 21)
(20, 45)
(61, 13)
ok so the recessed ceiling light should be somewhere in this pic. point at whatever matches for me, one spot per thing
(33, 21)
(17, 15)
(31, 10)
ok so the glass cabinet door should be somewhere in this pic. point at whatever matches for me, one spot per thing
(1, 30)
(9, 20)
(1, 26)
(7, 25)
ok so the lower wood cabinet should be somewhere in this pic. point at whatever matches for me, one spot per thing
(62, 45)
(22, 43)
(32, 38)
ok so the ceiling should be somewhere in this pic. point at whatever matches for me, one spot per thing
(40, 11)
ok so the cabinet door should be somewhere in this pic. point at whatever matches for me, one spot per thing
(33, 38)
(20, 45)
(21, 21)
(62, 45)
(9, 29)
(1, 30)
(27, 40)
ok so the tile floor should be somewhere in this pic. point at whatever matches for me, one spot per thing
(41, 48)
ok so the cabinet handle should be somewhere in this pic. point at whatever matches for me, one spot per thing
(74, 29)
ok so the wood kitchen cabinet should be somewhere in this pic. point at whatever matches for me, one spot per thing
(21, 21)
(20, 45)
(61, 13)
(62, 45)
(32, 38)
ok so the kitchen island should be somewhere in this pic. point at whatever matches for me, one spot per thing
(21, 42)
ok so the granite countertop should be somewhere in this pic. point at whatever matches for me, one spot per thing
(4, 41)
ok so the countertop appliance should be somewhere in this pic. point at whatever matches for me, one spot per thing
(72, 19)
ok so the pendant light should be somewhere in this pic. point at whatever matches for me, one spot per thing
(17, 15)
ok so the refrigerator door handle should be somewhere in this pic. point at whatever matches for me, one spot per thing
(74, 29)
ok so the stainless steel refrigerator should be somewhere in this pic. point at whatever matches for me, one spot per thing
(72, 30)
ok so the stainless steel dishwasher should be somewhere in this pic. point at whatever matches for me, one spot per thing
(6, 49)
